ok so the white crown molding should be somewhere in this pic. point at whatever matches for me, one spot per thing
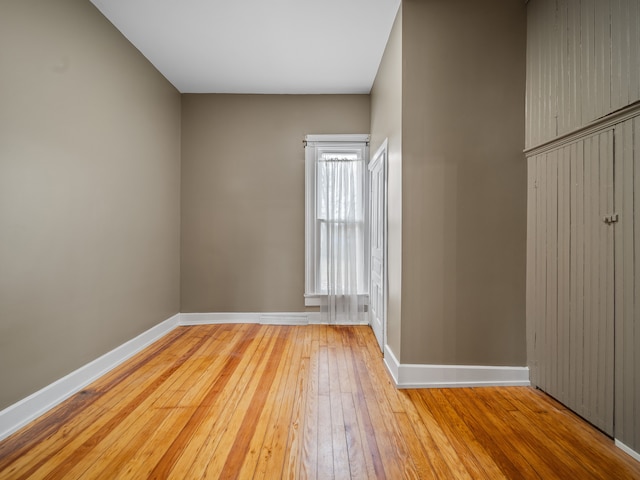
(451, 376)
(28, 409)
(632, 453)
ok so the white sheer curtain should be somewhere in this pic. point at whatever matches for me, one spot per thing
(340, 216)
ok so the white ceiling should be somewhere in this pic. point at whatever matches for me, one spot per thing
(259, 46)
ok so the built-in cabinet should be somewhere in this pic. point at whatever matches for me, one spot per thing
(571, 275)
(583, 240)
(583, 276)
(627, 283)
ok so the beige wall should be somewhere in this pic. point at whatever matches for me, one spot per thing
(386, 123)
(243, 195)
(89, 192)
(463, 183)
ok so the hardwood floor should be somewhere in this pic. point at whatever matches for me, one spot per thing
(252, 401)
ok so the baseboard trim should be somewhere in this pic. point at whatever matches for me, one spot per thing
(392, 364)
(267, 318)
(16, 416)
(451, 376)
(628, 450)
(270, 318)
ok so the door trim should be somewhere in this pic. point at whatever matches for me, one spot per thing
(381, 155)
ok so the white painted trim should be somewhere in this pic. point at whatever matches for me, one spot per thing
(601, 124)
(317, 320)
(338, 138)
(218, 318)
(632, 453)
(266, 318)
(320, 299)
(314, 146)
(451, 376)
(381, 155)
(392, 364)
(284, 319)
(28, 409)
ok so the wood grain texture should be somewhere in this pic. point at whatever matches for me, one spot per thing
(251, 401)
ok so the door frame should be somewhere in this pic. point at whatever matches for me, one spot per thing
(381, 155)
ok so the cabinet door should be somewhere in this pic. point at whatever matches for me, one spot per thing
(570, 267)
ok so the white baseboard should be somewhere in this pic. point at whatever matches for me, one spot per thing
(28, 409)
(449, 376)
(316, 319)
(628, 450)
(271, 318)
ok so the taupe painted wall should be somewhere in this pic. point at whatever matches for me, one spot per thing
(463, 182)
(386, 123)
(89, 192)
(243, 195)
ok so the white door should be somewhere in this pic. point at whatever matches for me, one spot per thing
(378, 229)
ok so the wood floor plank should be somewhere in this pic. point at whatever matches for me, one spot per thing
(175, 408)
(199, 430)
(430, 458)
(60, 426)
(251, 415)
(365, 418)
(415, 448)
(536, 452)
(273, 451)
(324, 437)
(357, 420)
(298, 402)
(120, 433)
(79, 446)
(389, 445)
(228, 415)
(308, 465)
(471, 452)
(443, 456)
(265, 410)
(493, 433)
(563, 431)
(386, 400)
(341, 466)
(292, 461)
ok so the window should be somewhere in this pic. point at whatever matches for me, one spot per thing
(335, 198)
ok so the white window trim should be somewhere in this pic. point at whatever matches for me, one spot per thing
(312, 142)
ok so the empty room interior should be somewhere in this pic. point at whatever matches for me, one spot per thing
(339, 239)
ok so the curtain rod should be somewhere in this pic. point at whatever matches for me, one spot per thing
(338, 138)
(305, 143)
